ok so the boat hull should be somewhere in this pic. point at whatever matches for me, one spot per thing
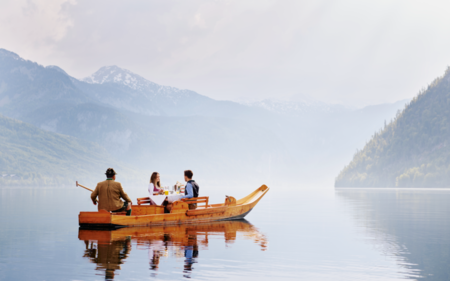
(154, 215)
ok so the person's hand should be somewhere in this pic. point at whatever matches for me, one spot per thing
(129, 206)
(95, 202)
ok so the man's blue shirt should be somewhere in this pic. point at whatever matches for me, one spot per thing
(189, 191)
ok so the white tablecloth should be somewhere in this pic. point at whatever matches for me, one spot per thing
(158, 199)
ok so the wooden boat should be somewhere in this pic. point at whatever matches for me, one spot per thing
(149, 215)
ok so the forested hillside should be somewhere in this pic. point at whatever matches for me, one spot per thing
(411, 151)
(29, 155)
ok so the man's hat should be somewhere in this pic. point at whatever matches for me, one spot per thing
(110, 172)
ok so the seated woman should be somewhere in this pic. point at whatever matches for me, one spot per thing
(154, 186)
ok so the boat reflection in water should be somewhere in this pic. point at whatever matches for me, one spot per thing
(109, 249)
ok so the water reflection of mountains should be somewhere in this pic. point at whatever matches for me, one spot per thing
(110, 249)
(411, 224)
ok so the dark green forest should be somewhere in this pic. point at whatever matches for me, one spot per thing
(412, 150)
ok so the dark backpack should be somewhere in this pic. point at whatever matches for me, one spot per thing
(195, 188)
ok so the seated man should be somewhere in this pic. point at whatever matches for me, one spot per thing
(109, 193)
(191, 190)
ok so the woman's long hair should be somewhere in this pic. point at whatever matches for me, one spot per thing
(153, 179)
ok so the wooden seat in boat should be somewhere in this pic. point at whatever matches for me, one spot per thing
(143, 200)
(197, 200)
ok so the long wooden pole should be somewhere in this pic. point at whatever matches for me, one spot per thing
(84, 187)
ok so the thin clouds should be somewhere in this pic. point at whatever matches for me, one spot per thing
(357, 52)
(33, 27)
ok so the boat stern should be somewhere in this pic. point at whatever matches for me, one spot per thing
(100, 219)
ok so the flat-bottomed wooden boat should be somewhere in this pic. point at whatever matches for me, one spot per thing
(149, 215)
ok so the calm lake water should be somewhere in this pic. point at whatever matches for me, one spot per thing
(312, 234)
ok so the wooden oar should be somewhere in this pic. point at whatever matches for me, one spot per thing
(84, 187)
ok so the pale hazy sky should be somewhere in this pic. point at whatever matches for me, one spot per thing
(356, 52)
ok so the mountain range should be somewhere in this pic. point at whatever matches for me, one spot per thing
(299, 106)
(146, 127)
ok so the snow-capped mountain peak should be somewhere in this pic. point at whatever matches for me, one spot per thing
(137, 94)
(115, 74)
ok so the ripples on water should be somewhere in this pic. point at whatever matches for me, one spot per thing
(324, 234)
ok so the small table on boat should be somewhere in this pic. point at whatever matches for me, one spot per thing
(159, 199)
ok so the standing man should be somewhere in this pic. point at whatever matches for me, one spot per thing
(191, 190)
(109, 193)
